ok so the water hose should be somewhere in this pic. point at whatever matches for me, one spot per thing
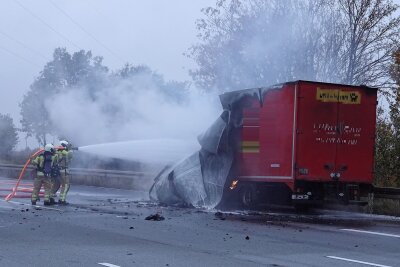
(14, 191)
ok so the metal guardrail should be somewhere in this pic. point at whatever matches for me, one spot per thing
(387, 192)
(379, 192)
(13, 166)
(83, 171)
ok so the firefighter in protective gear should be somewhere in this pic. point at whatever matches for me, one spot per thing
(46, 169)
(64, 159)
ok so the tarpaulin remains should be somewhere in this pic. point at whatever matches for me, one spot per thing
(200, 179)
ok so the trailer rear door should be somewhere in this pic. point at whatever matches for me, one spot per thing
(336, 131)
(356, 134)
(316, 134)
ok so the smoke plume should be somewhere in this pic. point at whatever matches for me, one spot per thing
(136, 108)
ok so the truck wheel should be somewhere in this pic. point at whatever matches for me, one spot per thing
(248, 196)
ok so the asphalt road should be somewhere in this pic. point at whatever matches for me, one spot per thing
(107, 227)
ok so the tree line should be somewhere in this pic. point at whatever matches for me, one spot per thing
(254, 43)
(387, 147)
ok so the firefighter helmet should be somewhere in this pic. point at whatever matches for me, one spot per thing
(49, 148)
(64, 143)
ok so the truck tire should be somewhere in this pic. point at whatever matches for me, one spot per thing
(248, 196)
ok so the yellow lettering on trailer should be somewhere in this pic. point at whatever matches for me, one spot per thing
(336, 95)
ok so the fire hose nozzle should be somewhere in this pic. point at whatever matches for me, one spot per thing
(74, 148)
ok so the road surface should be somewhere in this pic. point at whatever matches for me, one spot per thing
(107, 227)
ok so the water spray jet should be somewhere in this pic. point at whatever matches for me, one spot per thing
(163, 151)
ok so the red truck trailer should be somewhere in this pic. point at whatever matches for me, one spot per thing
(313, 140)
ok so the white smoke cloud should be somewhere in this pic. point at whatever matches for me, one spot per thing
(130, 109)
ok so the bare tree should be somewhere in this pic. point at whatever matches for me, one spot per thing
(372, 35)
(256, 43)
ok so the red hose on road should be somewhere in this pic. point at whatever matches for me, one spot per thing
(12, 194)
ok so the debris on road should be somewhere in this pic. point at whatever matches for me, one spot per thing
(247, 238)
(155, 217)
(220, 215)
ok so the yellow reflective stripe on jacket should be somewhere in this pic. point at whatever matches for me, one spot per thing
(39, 160)
(64, 158)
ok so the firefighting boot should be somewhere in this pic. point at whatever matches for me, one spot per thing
(49, 202)
(62, 202)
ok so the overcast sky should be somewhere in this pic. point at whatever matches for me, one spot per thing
(152, 32)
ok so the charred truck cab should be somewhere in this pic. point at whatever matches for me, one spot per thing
(304, 142)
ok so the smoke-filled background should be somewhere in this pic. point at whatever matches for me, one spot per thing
(136, 107)
(114, 82)
(163, 118)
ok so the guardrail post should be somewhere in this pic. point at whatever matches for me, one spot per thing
(370, 203)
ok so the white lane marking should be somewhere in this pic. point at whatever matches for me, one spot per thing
(108, 264)
(356, 261)
(369, 232)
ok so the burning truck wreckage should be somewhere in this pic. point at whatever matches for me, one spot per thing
(302, 142)
(200, 179)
